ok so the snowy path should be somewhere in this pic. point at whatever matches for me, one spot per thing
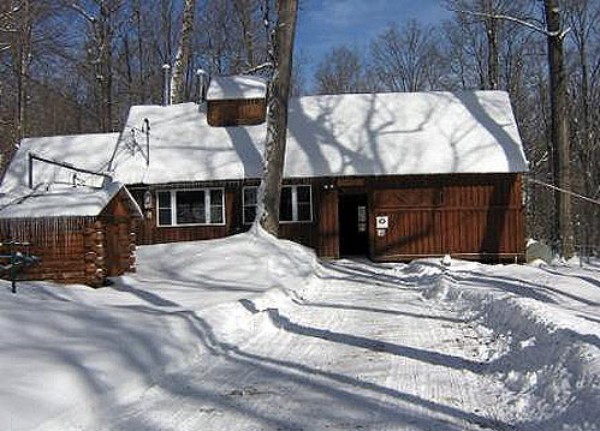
(354, 355)
(250, 334)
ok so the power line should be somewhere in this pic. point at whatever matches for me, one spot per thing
(550, 186)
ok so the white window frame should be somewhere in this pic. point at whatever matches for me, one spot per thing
(207, 208)
(294, 203)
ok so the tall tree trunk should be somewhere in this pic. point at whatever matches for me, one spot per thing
(183, 53)
(243, 9)
(104, 37)
(22, 52)
(491, 29)
(559, 130)
(166, 20)
(279, 89)
(140, 48)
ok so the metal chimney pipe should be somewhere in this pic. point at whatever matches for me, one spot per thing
(166, 85)
(201, 84)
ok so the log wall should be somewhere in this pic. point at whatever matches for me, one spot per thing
(64, 246)
(82, 250)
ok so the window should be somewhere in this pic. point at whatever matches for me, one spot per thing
(190, 207)
(295, 206)
(164, 208)
(249, 204)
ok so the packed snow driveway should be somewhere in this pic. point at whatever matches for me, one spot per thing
(249, 333)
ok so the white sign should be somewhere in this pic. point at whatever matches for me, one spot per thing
(381, 222)
(362, 213)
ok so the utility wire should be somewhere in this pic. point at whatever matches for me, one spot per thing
(550, 186)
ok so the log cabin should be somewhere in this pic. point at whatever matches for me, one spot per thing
(80, 234)
(389, 176)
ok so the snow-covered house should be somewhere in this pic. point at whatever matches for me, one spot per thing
(391, 176)
(81, 225)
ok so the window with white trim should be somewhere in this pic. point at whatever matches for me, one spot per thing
(191, 207)
(295, 206)
(249, 203)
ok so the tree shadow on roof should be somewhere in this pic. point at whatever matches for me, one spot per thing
(512, 149)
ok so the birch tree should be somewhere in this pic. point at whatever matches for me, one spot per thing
(183, 53)
(278, 95)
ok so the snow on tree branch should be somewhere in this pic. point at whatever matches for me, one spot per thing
(264, 66)
(520, 21)
(82, 12)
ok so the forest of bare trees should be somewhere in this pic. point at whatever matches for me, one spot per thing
(76, 66)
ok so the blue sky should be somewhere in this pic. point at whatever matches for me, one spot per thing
(323, 24)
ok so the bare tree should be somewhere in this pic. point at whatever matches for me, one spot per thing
(555, 35)
(560, 127)
(298, 83)
(583, 18)
(101, 18)
(20, 45)
(279, 89)
(340, 71)
(183, 53)
(405, 59)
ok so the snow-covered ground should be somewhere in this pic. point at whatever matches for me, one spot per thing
(250, 333)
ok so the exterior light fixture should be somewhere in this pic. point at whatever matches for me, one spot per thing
(148, 200)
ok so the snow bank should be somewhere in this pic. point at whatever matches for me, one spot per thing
(287, 272)
(67, 350)
(252, 321)
(552, 361)
(545, 353)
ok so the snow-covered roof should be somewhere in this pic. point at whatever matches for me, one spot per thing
(344, 135)
(236, 87)
(60, 201)
(403, 134)
(91, 152)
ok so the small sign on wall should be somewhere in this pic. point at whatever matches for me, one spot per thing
(381, 222)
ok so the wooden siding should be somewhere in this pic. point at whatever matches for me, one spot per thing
(328, 226)
(307, 233)
(225, 113)
(477, 217)
(148, 231)
(468, 216)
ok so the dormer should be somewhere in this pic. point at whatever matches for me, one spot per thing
(236, 101)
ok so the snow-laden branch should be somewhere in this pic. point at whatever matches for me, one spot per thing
(255, 69)
(77, 8)
(501, 17)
